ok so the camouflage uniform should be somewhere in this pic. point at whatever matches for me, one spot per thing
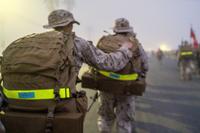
(185, 61)
(87, 53)
(160, 55)
(121, 108)
(84, 51)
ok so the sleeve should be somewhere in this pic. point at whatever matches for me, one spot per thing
(103, 61)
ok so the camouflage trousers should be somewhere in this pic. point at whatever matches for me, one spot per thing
(119, 108)
(185, 70)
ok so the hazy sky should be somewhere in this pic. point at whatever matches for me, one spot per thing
(156, 22)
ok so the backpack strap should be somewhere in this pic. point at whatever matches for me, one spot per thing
(67, 60)
(50, 118)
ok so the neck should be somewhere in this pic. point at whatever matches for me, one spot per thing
(65, 29)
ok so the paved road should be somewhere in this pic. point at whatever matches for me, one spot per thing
(168, 106)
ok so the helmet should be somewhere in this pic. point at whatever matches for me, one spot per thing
(122, 25)
(60, 17)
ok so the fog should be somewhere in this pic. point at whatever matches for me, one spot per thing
(156, 22)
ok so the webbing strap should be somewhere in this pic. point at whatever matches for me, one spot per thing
(41, 94)
(116, 76)
(186, 53)
(50, 119)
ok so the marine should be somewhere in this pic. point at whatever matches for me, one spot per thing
(186, 60)
(121, 107)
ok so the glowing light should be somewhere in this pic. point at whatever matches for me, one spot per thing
(165, 47)
(8, 7)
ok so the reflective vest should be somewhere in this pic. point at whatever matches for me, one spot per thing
(40, 94)
(116, 76)
(186, 53)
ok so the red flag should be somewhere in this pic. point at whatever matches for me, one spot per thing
(193, 36)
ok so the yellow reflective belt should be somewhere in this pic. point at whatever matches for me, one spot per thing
(42, 94)
(186, 53)
(116, 76)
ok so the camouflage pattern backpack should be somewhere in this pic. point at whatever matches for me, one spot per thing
(127, 81)
(39, 77)
(112, 43)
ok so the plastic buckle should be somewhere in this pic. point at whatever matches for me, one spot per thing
(57, 95)
(50, 116)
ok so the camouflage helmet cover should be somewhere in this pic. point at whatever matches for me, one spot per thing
(122, 25)
(60, 17)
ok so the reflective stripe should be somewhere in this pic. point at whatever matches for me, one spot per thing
(186, 53)
(116, 76)
(42, 94)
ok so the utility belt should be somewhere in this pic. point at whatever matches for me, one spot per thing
(122, 84)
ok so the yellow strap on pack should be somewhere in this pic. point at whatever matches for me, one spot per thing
(186, 53)
(41, 94)
(123, 77)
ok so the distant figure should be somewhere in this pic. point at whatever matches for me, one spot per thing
(186, 61)
(159, 55)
